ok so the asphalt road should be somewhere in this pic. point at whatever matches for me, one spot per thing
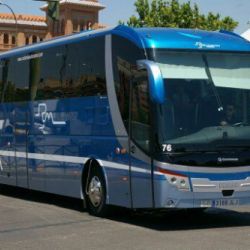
(32, 220)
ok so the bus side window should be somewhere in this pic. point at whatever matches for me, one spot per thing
(3, 79)
(1, 94)
(14, 80)
(50, 74)
(71, 71)
(19, 76)
(8, 87)
(85, 69)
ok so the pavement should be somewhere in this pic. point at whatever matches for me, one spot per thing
(34, 220)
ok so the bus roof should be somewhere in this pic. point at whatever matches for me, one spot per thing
(147, 38)
(193, 39)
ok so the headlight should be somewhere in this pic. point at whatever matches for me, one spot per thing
(178, 180)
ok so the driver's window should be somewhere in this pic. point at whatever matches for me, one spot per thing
(125, 55)
(140, 110)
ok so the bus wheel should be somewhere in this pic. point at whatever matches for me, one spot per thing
(95, 193)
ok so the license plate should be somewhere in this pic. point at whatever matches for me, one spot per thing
(220, 203)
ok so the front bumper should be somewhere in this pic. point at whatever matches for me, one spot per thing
(203, 192)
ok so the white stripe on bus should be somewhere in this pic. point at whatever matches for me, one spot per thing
(71, 159)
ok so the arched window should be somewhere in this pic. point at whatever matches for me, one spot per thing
(6, 38)
(75, 25)
(83, 26)
(63, 27)
(27, 40)
(34, 39)
(13, 40)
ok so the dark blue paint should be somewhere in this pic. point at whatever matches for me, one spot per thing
(82, 116)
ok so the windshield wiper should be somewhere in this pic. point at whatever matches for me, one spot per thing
(210, 80)
(233, 146)
(192, 150)
(241, 124)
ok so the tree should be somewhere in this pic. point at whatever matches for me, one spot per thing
(161, 13)
(53, 9)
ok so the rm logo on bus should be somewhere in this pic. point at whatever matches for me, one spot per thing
(47, 116)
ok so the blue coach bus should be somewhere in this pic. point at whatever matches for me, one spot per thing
(139, 118)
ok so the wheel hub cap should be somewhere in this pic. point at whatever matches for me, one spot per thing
(95, 191)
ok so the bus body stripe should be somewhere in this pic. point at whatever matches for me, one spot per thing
(71, 159)
(118, 166)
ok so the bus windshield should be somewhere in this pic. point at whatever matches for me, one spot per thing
(207, 101)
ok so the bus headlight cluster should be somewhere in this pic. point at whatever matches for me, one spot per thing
(178, 180)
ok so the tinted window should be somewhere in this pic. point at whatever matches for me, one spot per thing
(19, 75)
(3, 78)
(125, 55)
(65, 71)
(14, 80)
(85, 68)
(72, 70)
(48, 74)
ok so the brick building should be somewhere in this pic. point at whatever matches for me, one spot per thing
(75, 16)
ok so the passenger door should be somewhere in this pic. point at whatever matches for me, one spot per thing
(129, 102)
(140, 134)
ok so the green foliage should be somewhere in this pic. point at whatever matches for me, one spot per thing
(53, 9)
(161, 13)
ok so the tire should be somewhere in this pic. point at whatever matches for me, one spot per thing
(95, 193)
(196, 211)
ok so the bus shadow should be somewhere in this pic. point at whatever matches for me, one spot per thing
(185, 219)
(41, 197)
(161, 221)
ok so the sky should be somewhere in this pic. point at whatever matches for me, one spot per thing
(122, 9)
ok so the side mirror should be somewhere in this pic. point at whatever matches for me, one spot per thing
(156, 83)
